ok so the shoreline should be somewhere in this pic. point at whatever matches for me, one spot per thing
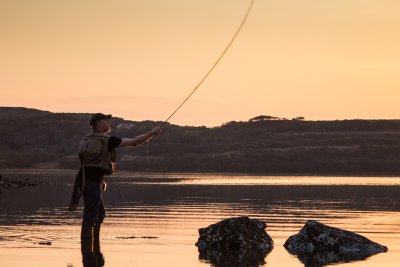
(289, 174)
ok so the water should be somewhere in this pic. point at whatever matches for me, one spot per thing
(172, 207)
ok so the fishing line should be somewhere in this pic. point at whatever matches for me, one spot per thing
(216, 62)
(202, 80)
(147, 169)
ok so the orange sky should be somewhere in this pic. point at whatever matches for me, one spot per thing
(138, 59)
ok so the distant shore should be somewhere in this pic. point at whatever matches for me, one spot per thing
(263, 145)
(74, 171)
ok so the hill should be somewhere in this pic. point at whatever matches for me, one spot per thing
(268, 145)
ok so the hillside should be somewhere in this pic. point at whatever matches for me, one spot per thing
(40, 139)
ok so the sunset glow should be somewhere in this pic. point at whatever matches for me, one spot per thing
(323, 60)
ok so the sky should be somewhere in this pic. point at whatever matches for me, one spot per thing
(139, 59)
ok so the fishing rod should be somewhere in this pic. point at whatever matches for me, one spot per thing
(212, 67)
(201, 81)
(215, 63)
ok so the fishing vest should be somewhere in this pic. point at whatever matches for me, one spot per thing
(93, 151)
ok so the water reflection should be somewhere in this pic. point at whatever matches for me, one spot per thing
(91, 253)
(319, 259)
(241, 258)
(174, 211)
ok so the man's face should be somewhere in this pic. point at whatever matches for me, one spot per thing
(104, 126)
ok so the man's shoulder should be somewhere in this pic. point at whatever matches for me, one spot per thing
(113, 137)
(114, 141)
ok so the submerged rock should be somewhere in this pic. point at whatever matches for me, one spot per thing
(6, 183)
(134, 237)
(48, 243)
(235, 242)
(317, 245)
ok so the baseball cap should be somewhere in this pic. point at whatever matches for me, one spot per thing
(98, 117)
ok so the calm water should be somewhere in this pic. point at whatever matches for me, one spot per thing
(172, 207)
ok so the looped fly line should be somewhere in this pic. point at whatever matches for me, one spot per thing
(216, 62)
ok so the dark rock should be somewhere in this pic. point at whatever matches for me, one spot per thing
(235, 242)
(134, 237)
(7, 183)
(317, 245)
(43, 243)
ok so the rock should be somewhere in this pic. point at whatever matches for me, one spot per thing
(6, 183)
(48, 243)
(317, 245)
(134, 237)
(235, 242)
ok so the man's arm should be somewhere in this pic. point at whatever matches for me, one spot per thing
(141, 139)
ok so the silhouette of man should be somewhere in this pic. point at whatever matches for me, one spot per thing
(97, 154)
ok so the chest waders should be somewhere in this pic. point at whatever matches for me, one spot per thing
(94, 148)
(93, 152)
(83, 168)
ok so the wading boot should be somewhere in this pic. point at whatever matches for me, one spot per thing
(87, 246)
(96, 236)
(87, 238)
(96, 246)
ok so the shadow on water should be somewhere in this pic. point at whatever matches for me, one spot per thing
(326, 258)
(241, 258)
(91, 253)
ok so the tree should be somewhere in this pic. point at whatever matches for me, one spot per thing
(264, 118)
(298, 119)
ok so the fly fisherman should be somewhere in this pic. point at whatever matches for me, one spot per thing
(97, 154)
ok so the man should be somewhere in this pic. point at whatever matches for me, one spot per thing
(97, 156)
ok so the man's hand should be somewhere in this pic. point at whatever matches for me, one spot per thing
(156, 130)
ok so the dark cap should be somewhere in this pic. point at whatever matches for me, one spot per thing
(98, 117)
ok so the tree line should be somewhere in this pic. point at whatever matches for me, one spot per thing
(264, 145)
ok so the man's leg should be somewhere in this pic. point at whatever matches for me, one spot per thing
(96, 229)
(96, 236)
(91, 200)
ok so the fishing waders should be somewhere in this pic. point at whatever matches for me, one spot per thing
(90, 246)
(87, 245)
